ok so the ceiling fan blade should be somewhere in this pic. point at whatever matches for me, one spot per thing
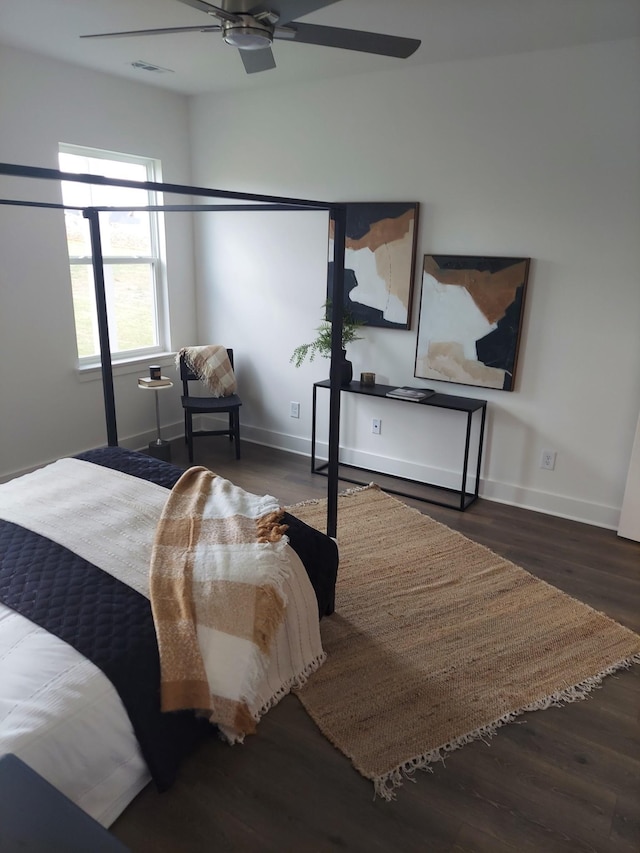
(287, 10)
(210, 9)
(213, 28)
(257, 60)
(383, 45)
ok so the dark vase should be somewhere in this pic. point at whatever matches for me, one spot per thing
(346, 369)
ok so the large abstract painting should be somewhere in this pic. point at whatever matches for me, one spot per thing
(380, 256)
(470, 319)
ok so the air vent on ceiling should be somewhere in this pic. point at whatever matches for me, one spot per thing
(148, 66)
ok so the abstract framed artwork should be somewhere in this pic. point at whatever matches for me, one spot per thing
(470, 319)
(380, 257)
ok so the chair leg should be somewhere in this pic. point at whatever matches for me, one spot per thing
(236, 432)
(189, 435)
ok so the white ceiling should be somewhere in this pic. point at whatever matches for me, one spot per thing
(201, 62)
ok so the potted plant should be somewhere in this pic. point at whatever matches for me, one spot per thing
(321, 345)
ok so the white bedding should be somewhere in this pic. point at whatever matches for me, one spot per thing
(58, 712)
(63, 718)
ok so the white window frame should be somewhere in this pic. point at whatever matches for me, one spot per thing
(156, 261)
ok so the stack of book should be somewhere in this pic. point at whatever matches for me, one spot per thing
(415, 394)
(145, 382)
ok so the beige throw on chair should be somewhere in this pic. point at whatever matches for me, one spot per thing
(218, 567)
(211, 364)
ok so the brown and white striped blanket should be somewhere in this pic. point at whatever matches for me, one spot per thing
(212, 365)
(219, 565)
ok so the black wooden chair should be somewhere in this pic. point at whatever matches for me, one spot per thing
(208, 405)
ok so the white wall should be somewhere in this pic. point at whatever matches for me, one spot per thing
(46, 411)
(534, 155)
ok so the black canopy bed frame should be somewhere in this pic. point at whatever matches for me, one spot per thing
(79, 650)
(236, 201)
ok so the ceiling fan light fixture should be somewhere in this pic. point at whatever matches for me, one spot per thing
(247, 34)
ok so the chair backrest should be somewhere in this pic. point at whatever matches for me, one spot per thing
(187, 375)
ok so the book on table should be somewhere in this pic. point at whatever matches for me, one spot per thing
(146, 382)
(406, 393)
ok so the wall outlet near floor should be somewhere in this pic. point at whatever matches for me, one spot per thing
(548, 460)
(376, 426)
(294, 410)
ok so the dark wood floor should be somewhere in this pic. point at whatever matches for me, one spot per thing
(565, 779)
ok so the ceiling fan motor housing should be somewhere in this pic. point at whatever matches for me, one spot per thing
(247, 33)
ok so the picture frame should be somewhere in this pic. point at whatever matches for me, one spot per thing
(380, 259)
(470, 319)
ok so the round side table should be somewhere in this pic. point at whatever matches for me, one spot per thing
(159, 448)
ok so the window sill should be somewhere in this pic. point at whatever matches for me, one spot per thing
(93, 373)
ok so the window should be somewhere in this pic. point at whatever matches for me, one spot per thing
(131, 248)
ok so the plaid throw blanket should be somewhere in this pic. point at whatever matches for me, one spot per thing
(218, 566)
(212, 366)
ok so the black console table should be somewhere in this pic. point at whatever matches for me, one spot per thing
(454, 498)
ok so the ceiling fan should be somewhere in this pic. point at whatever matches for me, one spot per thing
(252, 28)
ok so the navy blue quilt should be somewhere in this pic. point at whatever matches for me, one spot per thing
(112, 625)
(107, 622)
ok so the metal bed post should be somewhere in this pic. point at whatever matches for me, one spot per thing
(103, 327)
(339, 216)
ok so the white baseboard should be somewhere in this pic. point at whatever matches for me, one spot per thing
(562, 506)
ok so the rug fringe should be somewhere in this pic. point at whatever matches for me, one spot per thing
(384, 786)
(346, 492)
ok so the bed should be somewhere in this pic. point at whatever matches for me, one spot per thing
(79, 661)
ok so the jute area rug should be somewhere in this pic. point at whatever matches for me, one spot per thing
(437, 641)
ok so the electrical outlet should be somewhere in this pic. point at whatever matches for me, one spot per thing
(294, 410)
(376, 426)
(548, 460)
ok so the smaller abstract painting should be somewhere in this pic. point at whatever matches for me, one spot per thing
(379, 262)
(470, 319)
